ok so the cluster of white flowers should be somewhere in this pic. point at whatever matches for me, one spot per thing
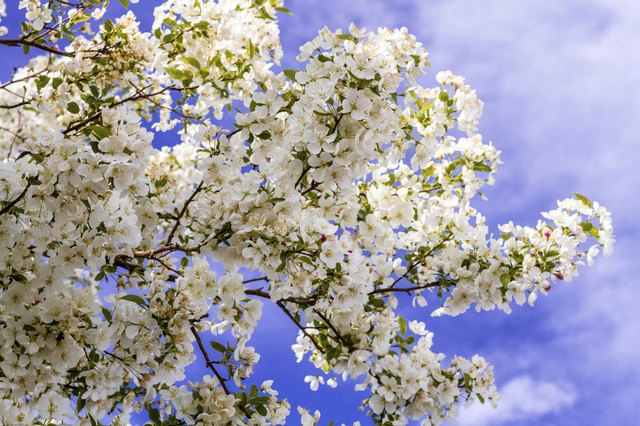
(3, 13)
(342, 184)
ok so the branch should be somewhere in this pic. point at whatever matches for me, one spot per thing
(404, 289)
(252, 280)
(97, 114)
(304, 172)
(183, 211)
(210, 364)
(19, 104)
(208, 361)
(339, 336)
(413, 265)
(25, 42)
(297, 300)
(295, 321)
(15, 201)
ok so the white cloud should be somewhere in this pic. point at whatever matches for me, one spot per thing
(561, 83)
(521, 398)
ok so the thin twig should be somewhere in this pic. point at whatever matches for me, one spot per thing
(15, 201)
(303, 329)
(183, 211)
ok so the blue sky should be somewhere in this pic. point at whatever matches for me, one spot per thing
(561, 86)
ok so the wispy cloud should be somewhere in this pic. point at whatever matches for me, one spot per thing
(522, 398)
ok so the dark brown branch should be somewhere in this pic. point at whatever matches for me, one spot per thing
(97, 114)
(413, 265)
(298, 300)
(405, 289)
(339, 336)
(31, 43)
(183, 211)
(19, 104)
(304, 172)
(210, 365)
(15, 201)
(303, 329)
(208, 361)
(253, 280)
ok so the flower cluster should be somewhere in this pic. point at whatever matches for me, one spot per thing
(341, 184)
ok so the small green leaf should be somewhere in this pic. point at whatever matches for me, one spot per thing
(192, 61)
(590, 229)
(402, 325)
(584, 199)
(125, 3)
(505, 236)
(56, 82)
(107, 314)
(480, 398)
(551, 253)
(135, 299)
(481, 167)
(73, 108)
(443, 96)
(160, 183)
(218, 346)
(99, 132)
(284, 10)
(346, 37)
(252, 49)
(505, 279)
(41, 82)
(175, 73)
(262, 410)
(154, 413)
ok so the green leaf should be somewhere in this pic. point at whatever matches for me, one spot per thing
(135, 299)
(584, 199)
(262, 410)
(175, 73)
(73, 108)
(107, 314)
(505, 279)
(218, 346)
(284, 10)
(80, 404)
(41, 82)
(480, 398)
(443, 96)
(169, 22)
(125, 3)
(590, 229)
(192, 61)
(160, 183)
(481, 167)
(184, 262)
(551, 253)
(154, 413)
(346, 37)
(402, 324)
(99, 132)
(252, 49)
(505, 236)
(57, 81)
